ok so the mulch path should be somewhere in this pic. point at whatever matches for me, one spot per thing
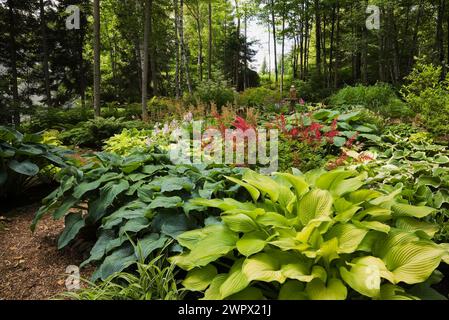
(31, 266)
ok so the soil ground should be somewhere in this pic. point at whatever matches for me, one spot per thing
(31, 266)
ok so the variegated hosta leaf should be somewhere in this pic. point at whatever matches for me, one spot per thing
(213, 243)
(199, 279)
(333, 290)
(315, 204)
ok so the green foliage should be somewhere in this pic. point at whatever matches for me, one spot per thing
(316, 236)
(421, 168)
(23, 158)
(429, 96)
(213, 92)
(380, 98)
(141, 199)
(152, 281)
(259, 97)
(300, 155)
(129, 141)
(93, 132)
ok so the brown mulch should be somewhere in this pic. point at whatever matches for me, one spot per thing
(31, 266)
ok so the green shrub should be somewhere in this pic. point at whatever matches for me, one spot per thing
(140, 201)
(93, 132)
(380, 98)
(212, 92)
(317, 236)
(128, 141)
(429, 96)
(24, 160)
(259, 97)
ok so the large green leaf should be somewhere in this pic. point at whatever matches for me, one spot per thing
(116, 262)
(252, 243)
(334, 290)
(26, 167)
(210, 246)
(315, 204)
(401, 209)
(413, 262)
(263, 183)
(240, 223)
(200, 278)
(255, 194)
(236, 281)
(149, 244)
(349, 237)
(107, 196)
(74, 222)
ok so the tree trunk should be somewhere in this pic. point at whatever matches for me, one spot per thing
(146, 43)
(283, 53)
(273, 23)
(14, 73)
(183, 46)
(177, 68)
(152, 53)
(209, 54)
(97, 71)
(43, 24)
(318, 37)
(245, 75)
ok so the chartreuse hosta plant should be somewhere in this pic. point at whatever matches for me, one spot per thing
(314, 236)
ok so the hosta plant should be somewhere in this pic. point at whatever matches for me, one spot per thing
(318, 236)
(137, 201)
(24, 158)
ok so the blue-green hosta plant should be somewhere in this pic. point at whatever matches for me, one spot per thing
(24, 160)
(420, 167)
(140, 201)
(317, 236)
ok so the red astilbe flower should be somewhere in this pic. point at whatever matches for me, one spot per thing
(333, 132)
(242, 124)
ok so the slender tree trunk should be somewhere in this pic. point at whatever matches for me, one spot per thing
(152, 54)
(145, 67)
(97, 71)
(318, 37)
(209, 54)
(273, 23)
(283, 54)
(337, 46)
(177, 68)
(183, 46)
(332, 41)
(439, 42)
(14, 73)
(269, 53)
(43, 24)
(245, 75)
